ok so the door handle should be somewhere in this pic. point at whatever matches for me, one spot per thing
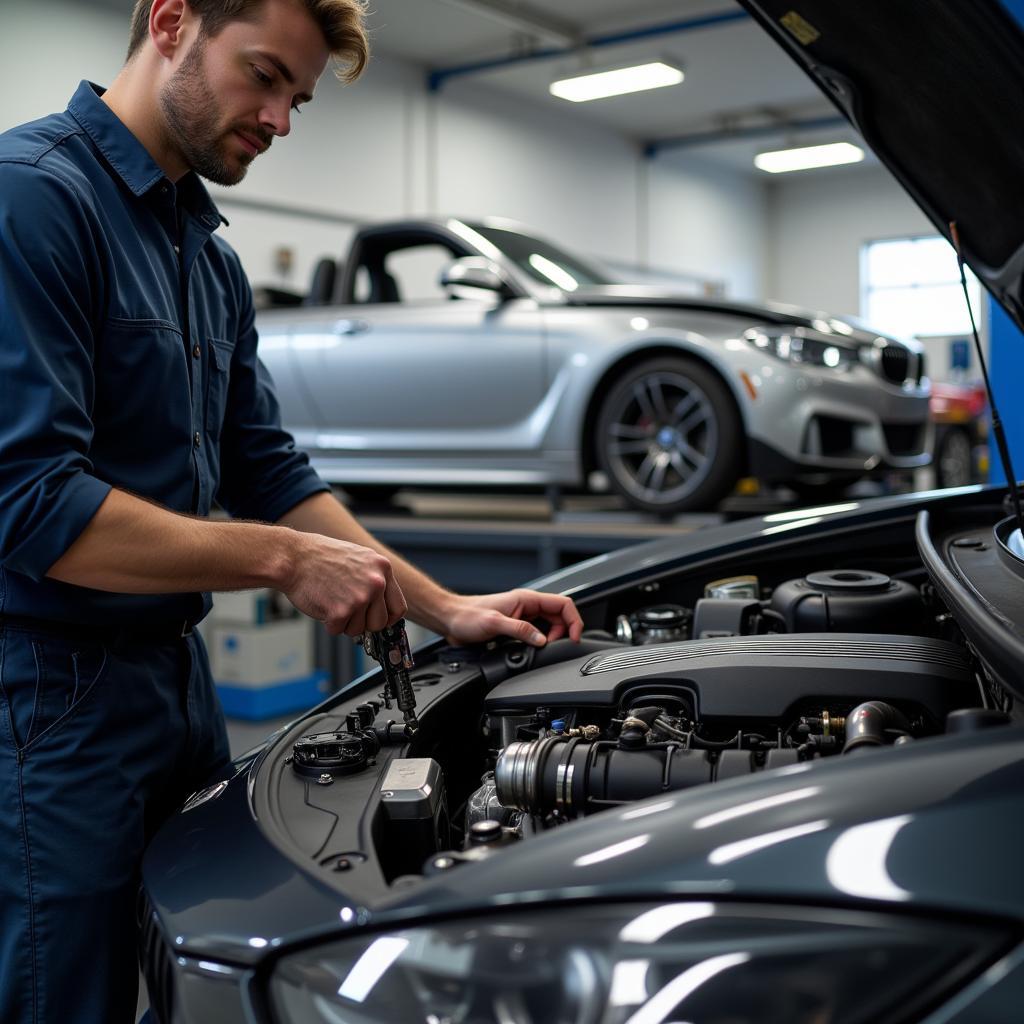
(351, 326)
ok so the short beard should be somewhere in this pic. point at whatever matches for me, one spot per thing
(190, 113)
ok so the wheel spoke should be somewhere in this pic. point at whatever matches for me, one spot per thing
(628, 431)
(695, 419)
(687, 461)
(683, 406)
(658, 399)
(630, 447)
(643, 399)
(694, 456)
(646, 470)
(661, 464)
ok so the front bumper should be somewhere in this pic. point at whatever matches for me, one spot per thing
(806, 421)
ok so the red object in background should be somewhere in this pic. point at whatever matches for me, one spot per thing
(959, 455)
(957, 403)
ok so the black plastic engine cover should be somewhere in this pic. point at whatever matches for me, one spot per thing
(756, 676)
(848, 601)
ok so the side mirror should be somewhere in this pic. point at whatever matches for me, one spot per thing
(468, 276)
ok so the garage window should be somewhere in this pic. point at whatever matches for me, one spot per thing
(910, 287)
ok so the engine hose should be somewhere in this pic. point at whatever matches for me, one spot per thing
(867, 725)
(574, 777)
(699, 743)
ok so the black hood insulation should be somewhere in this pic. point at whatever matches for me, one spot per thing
(936, 89)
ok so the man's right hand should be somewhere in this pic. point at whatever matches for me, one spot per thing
(348, 587)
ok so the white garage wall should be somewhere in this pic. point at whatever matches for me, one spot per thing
(572, 181)
(708, 219)
(45, 51)
(385, 148)
(816, 224)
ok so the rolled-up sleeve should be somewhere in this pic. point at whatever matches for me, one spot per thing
(48, 291)
(263, 475)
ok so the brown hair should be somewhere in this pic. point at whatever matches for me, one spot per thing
(341, 22)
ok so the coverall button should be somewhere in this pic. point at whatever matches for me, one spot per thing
(196, 350)
(196, 439)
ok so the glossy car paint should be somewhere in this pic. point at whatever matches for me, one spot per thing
(904, 826)
(931, 828)
(922, 829)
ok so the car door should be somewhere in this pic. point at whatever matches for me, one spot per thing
(424, 371)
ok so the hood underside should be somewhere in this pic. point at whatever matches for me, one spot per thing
(936, 89)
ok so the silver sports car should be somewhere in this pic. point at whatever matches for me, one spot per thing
(448, 352)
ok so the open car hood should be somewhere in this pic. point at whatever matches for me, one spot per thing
(937, 91)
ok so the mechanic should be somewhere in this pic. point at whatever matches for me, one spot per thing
(131, 400)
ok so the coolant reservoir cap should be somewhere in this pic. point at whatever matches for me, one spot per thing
(845, 580)
(483, 832)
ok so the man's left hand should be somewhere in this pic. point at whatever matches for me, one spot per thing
(479, 618)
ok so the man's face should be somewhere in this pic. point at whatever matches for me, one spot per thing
(233, 92)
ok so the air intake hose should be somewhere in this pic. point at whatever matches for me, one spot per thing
(871, 724)
(576, 777)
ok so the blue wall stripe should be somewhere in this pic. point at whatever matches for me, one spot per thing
(437, 77)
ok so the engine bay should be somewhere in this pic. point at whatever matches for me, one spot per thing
(693, 679)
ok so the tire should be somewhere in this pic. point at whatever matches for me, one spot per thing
(669, 437)
(954, 459)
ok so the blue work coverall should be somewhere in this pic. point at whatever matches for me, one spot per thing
(128, 360)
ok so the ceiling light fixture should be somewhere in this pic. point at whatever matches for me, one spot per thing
(598, 85)
(805, 157)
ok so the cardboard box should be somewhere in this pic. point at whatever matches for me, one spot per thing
(243, 607)
(256, 656)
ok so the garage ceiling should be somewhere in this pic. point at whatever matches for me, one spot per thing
(736, 78)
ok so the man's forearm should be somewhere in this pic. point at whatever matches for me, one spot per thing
(330, 567)
(132, 546)
(322, 513)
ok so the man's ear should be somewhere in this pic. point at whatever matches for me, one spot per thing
(169, 24)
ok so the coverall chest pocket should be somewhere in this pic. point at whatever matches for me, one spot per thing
(46, 681)
(217, 385)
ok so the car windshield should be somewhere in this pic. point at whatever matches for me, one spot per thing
(541, 260)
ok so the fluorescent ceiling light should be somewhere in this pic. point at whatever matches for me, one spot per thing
(802, 159)
(599, 84)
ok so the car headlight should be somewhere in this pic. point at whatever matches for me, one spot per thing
(797, 348)
(635, 964)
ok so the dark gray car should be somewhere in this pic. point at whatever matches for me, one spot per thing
(781, 779)
(797, 799)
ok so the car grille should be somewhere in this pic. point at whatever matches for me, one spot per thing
(898, 365)
(157, 963)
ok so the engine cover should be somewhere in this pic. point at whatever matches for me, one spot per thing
(755, 676)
